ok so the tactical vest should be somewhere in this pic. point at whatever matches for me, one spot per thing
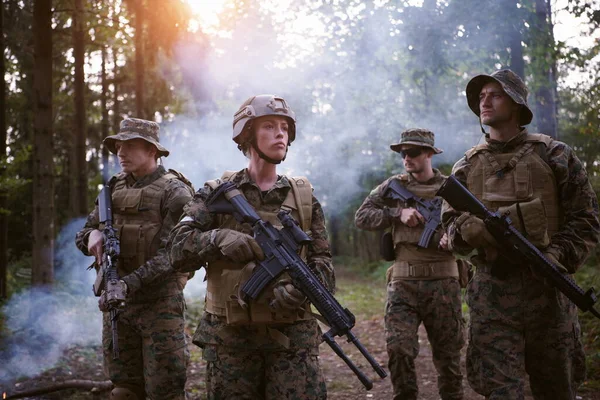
(413, 262)
(503, 179)
(138, 221)
(225, 278)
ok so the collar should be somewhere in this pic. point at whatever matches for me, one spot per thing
(146, 179)
(437, 177)
(242, 178)
(497, 145)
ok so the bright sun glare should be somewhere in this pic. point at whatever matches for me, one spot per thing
(206, 12)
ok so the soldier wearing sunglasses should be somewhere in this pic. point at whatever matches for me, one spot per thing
(422, 284)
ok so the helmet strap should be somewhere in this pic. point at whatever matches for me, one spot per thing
(481, 125)
(264, 156)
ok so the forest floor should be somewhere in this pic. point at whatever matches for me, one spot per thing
(366, 301)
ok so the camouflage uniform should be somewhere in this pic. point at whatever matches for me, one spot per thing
(250, 361)
(153, 351)
(518, 324)
(429, 292)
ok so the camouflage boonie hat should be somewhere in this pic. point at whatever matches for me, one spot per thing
(512, 85)
(135, 128)
(418, 137)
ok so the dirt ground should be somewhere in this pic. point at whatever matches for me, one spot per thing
(364, 300)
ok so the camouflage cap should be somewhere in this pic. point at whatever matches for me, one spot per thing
(417, 137)
(512, 85)
(135, 128)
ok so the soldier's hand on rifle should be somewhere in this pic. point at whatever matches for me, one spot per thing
(553, 258)
(286, 296)
(238, 246)
(95, 242)
(475, 234)
(411, 217)
(444, 242)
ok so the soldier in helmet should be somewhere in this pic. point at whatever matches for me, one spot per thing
(422, 284)
(147, 202)
(267, 348)
(518, 324)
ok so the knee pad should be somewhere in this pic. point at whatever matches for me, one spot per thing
(121, 393)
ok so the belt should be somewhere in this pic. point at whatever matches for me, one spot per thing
(434, 270)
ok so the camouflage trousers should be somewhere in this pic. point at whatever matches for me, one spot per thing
(520, 326)
(437, 304)
(153, 353)
(237, 374)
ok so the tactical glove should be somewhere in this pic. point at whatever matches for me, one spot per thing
(473, 231)
(286, 296)
(553, 258)
(237, 246)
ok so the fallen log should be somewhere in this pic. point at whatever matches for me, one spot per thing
(83, 384)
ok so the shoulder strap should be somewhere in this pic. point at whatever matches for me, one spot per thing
(475, 149)
(302, 195)
(173, 174)
(214, 183)
(541, 143)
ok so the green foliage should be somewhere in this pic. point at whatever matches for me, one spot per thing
(589, 276)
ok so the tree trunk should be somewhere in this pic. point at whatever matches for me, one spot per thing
(544, 69)
(43, 147)
(116, 105)
(517, 63)
(105, 122)
(78, 163)
(3, 193)
(139, 58)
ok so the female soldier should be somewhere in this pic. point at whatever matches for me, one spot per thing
(267, 348)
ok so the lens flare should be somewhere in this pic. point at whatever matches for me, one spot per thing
(206, 12)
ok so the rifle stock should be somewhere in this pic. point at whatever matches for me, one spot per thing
(281, 254)
(514, 245)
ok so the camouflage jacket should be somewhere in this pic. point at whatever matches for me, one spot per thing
(175, 196)
(580, 231)
(190, 248)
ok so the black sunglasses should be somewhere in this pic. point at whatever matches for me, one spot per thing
(412, 152)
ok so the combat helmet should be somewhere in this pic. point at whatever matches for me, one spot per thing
(512, 85)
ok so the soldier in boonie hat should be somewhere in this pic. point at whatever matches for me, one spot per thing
(422, 269)
(417, 137)
(512, 85)
(136, 128)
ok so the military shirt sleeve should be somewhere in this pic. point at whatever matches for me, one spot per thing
(81, 238)
(580, 231)
(319, 253)
(191, 243)
(176, 195)
(455, 242)
(374, 213)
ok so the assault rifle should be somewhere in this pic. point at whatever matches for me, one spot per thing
(429, 209)
(107, 281)
(514, 246)
(281, 255)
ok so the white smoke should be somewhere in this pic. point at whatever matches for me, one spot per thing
(44, 322)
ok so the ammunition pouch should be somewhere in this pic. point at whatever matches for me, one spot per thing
(239, 312)
(530, 219)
